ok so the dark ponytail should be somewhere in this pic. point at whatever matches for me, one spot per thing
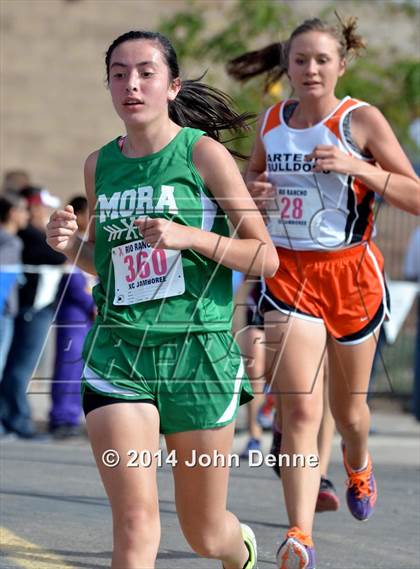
(274, 58)
(270, 60)
(350, 41)
(197, 105)
(200, 106)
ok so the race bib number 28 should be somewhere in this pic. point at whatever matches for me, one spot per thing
(295, 210)
(143, 273)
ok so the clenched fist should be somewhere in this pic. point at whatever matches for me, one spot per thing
(263, 192)
(61, 229)
(164, 234)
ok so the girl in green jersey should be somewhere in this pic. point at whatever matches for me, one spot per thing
(160, 356)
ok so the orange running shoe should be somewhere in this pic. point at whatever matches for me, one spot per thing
(297, 551)
(361, 490)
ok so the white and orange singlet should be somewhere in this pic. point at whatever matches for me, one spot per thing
(325, 210)
(321, 224)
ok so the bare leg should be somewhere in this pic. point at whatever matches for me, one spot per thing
(326, 431)
(296, 349)
(132, 492)
(251, 342)
(201, 496)
(350, 368)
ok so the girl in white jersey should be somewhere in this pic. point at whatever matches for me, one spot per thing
(316, 166)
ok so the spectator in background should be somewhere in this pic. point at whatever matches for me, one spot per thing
(74, 319)
(15, 180)
(35, 314)
(13, 217)
(412, 273)
(251, 340)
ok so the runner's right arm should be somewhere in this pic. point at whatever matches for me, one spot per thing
(62, 227)
(256, 176)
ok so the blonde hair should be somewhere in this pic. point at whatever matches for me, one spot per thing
(274, 58)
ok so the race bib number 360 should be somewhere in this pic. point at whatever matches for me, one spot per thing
(143, 273)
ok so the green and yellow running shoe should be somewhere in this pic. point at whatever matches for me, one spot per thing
(251, 544)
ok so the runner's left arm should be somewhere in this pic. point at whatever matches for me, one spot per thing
(252, 252)
(395, 179)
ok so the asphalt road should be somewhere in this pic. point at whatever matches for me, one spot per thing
(54, 513)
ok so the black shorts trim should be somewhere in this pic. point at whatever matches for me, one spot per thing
(269, 302)
(92, 400)
(254, 318)
(381, 313)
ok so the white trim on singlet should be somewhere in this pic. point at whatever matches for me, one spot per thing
(336, 108)
(350, 180)
(342, 133)
(209, 209)
(353, 152)
(231, 408)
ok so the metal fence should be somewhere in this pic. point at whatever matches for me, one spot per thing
(393, 373)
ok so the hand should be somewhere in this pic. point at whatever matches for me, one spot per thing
(61, 229)
(332, 158)
(165, 234)
(263, 192)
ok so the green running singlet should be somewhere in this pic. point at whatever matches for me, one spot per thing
(147, 297)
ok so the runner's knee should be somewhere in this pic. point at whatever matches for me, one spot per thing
(206, 542)
(301, 413)
(350, 417)
(132, 525)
